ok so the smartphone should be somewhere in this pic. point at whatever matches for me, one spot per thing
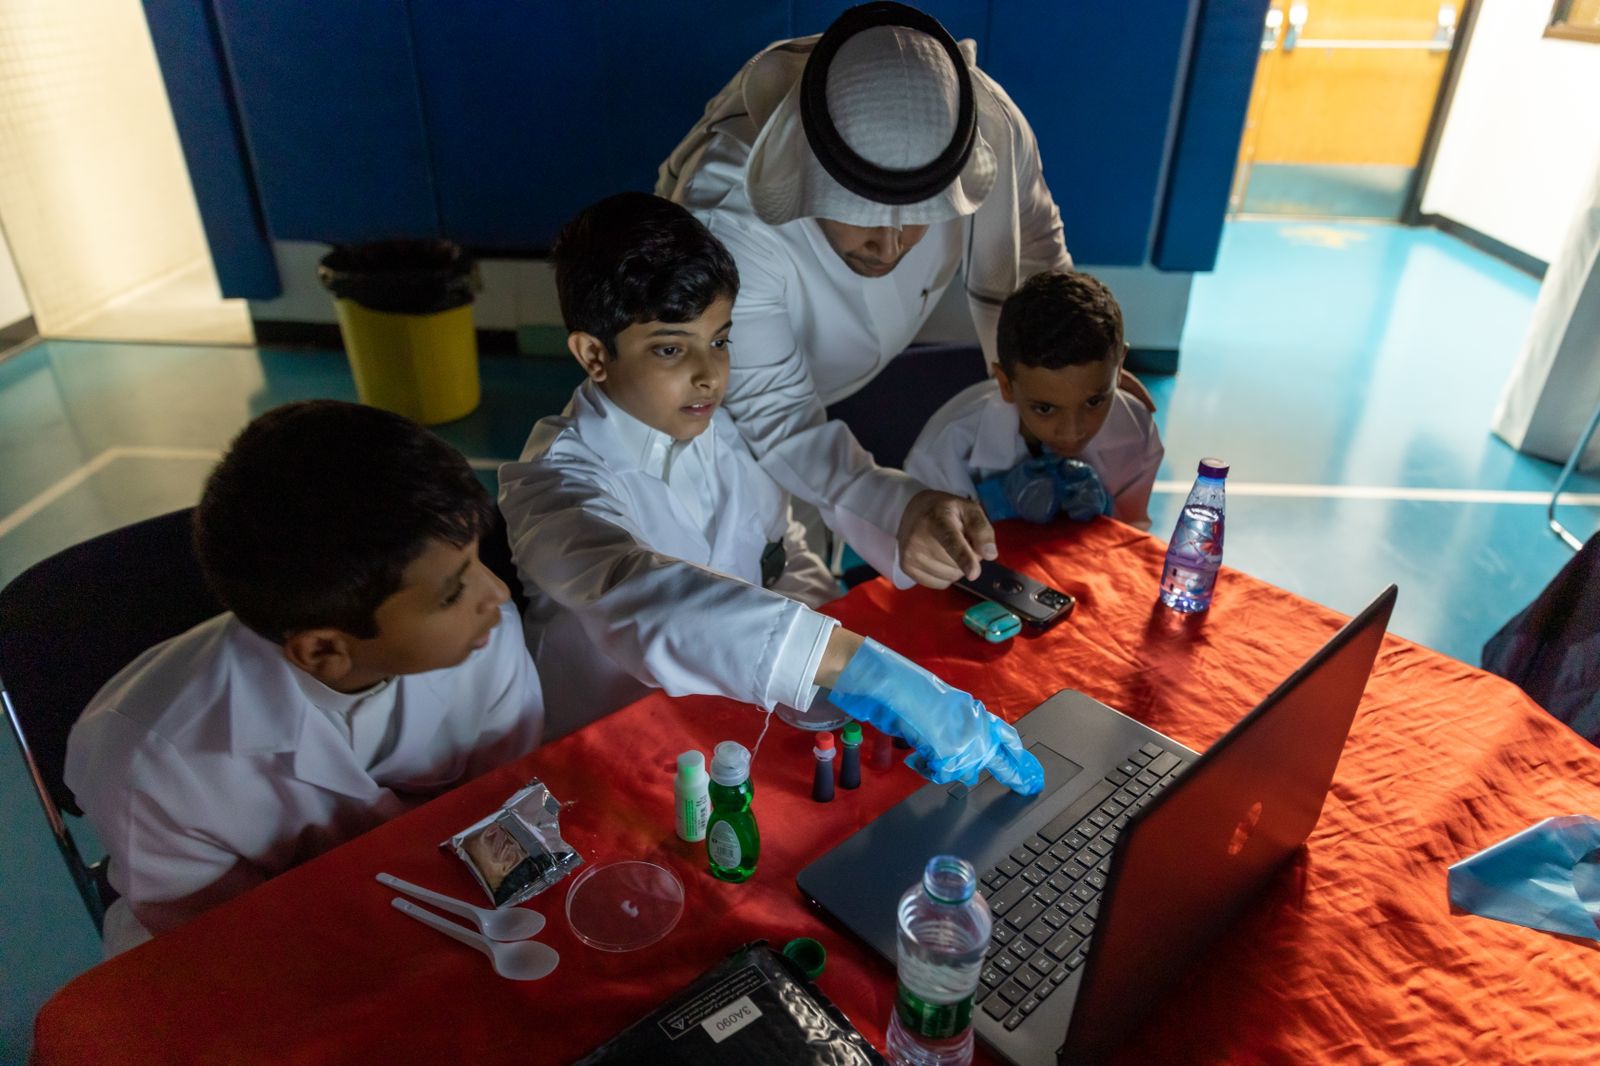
(1037, 604)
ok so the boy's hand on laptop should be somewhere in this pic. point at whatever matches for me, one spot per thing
(954, 738)
(943, 538)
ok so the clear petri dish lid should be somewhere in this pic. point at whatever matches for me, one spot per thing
(624, 906)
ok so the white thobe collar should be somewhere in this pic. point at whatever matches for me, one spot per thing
(367, 718)
(273, 717)
(650, 449)
(331, 699)
(998, 444)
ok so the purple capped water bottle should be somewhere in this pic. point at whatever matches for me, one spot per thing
(1194, 555)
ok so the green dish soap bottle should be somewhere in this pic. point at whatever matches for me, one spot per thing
(732, 841)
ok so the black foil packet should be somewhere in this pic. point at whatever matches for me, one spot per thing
(755, 1006)
(517, 852)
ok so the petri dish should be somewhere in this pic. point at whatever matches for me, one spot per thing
(624, 906)
(822, 715)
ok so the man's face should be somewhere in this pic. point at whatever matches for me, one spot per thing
(446, 608)
(668, 375)
(1063, 408)
(872, 251)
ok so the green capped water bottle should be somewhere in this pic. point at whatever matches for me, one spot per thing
(944, 933)
(733, 844)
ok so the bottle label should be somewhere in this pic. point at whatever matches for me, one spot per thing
(723, 846)
(1189, 579)
(932, 1021)
(693, 812)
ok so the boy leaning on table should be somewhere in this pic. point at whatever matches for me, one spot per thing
(1054, 395)
(656, 551)
(368, 660)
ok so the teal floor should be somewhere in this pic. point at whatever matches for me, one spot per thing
(1347, 372)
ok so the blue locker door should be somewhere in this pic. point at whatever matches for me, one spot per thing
(1100, 84)
(327, 93)
(1221, 72)
(533, 111)
(962, 18)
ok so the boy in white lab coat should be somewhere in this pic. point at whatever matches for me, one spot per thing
(362, 667)
(1053, 395)
(655, 550)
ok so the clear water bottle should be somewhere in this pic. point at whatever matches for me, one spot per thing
(1194, 555)
(944, 932)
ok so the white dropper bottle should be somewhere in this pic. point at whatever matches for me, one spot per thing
(690, 797)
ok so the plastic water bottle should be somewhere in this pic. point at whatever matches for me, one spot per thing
(944, 932)
(1194, 555)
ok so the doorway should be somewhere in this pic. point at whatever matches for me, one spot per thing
(1340, 106)
(95, 200)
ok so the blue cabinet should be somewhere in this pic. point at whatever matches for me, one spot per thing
(208, 126)
(1099, 84)
(532, 113)
(491, 121)
(328, 96)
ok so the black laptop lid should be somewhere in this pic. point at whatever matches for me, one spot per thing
(1190, 861)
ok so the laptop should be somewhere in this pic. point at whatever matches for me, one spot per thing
(1134, 857)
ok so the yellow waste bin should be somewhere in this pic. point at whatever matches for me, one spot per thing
(405, 312)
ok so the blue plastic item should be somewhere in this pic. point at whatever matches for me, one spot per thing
(992, 622)
(954, 737)
(1038, 490)
(1082, 494)
(1545, 877)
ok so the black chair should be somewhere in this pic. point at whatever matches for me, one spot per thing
(494, 549)
(887, 415)
(67, 625)
(1546, 648)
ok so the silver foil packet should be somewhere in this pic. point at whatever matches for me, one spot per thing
(517, 852)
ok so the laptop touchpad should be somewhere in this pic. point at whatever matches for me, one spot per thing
(991, 794)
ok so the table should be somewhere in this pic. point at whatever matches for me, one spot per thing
(1352, 955)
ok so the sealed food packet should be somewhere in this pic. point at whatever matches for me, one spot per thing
(517, 852)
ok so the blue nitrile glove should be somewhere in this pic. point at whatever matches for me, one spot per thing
(1028, 490)
(1545, 877)
(1081, 493)
(953, 736)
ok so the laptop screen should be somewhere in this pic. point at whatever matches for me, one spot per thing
(1190, 862)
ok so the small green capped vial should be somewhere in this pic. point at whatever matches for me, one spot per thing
(733, 844)
(850, 765)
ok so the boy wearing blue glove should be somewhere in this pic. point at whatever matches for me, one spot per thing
(657, 552)
(1050, 433)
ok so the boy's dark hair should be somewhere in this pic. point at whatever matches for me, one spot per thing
(317, 509)
(1058, 319)
(634, 257)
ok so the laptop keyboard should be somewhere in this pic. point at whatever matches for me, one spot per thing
(1045, 895)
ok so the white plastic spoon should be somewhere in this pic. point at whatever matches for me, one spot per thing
(525, 960)
(513, 923)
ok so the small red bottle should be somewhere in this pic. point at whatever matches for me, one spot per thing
(822, 781)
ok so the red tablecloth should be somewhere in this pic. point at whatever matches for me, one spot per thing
(1352, 955)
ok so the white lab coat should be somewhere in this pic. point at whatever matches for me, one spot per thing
(808, 332)
(631, 589)
(205, 768)
(1555, 386)
(978, 434)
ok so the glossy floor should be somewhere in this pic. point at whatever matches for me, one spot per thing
(1346, 371)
